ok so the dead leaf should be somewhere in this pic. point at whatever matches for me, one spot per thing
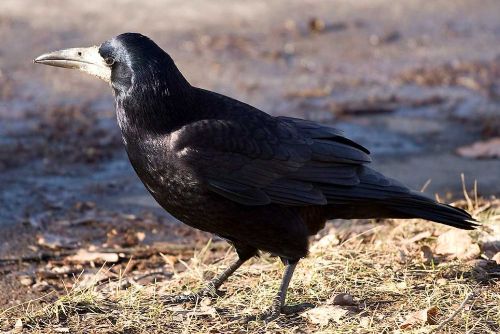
(84, 255)
(426, 254)
(322, 315)
(496, 258)
(482, 149)
(54, 241)
(325, 243)
(423, 317)
(457, 244)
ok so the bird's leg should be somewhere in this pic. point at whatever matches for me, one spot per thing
(278, 306)
(210, 290)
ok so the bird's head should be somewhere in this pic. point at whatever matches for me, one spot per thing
(121, 61)
(150, 91)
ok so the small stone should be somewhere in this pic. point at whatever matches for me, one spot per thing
(442, 281)
(206, 301)
(18, 327)
(26, 280)
(343, 299)
(365, 322)
(41, 286)
(401, 285)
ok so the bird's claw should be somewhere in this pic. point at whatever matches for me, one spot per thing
(276, 310)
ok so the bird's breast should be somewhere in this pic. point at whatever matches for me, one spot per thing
(174, 186)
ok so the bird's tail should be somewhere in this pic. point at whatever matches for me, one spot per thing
(418, 206)
(377, 196)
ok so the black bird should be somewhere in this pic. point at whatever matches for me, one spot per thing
(217, 164)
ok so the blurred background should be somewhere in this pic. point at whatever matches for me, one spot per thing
(418, 83)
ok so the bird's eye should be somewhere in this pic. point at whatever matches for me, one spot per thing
(109, 61)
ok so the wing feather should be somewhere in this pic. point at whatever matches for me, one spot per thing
(260, 159)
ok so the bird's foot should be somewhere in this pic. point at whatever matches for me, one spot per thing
(208, 292)
(276, 310)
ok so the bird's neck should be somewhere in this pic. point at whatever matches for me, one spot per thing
(156, 106)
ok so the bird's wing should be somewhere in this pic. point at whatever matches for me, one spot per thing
(257, 160)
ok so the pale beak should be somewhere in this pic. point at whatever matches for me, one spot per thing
(84, 59)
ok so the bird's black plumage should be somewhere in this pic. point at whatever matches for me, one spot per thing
(222, 166)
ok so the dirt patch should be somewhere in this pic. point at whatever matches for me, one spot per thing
(62, 135)
(75, 133)
(481, 76)
(41, 248)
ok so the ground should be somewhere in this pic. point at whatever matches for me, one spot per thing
(414, 82)
(370, 277)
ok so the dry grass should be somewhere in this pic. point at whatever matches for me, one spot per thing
(378, 264)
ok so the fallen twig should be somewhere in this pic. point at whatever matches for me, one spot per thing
(37, 257)
(454, 314)
(151, 272)
(137, 252)
(163, 247)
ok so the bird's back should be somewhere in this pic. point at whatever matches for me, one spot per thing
(238, 172)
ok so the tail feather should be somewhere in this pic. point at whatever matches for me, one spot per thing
(419, 206)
